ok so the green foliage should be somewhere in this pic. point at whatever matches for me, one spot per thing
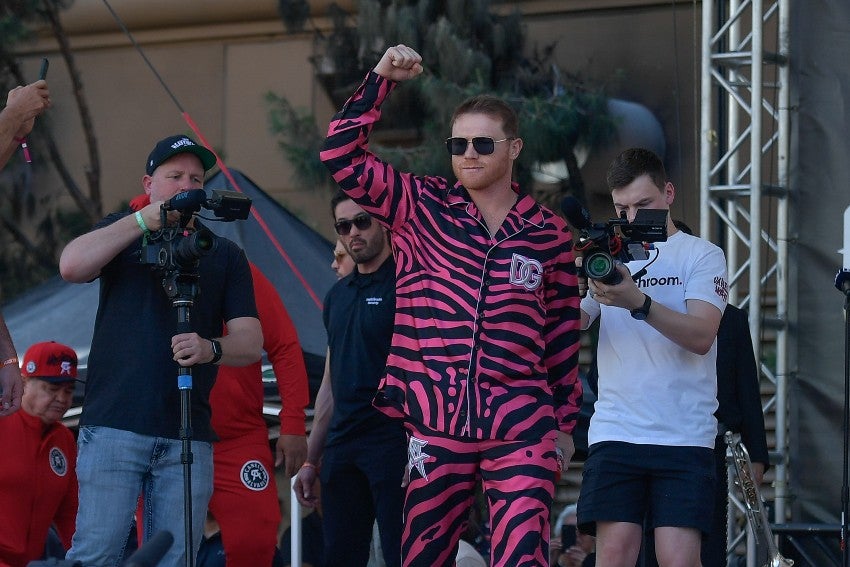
(13, 29)
(466, 50)
(11, 32)
(299, 139)
(15, 15)
(552, 126)
(294, 14)
(33, 230)
(34, 224)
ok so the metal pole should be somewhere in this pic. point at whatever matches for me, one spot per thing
(294, 526)
(782, 274)
(707, 133)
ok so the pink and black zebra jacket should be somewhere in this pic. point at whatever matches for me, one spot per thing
(486, 336)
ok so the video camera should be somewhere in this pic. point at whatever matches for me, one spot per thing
(178, 248)
(618, 239)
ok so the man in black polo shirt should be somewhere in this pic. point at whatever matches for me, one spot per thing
(130, 441)
(361, 450)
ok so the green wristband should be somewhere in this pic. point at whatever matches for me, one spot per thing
(141, 221)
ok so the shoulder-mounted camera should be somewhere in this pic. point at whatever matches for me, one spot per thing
(603, 244)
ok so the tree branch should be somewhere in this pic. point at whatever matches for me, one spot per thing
(43, 259)
(95, 205)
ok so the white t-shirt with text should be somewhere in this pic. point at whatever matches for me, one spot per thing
(651, 390)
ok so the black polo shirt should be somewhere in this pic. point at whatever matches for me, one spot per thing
(131, 382)
(358, 315)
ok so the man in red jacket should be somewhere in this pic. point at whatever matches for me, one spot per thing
(38, 481)
(244, 500)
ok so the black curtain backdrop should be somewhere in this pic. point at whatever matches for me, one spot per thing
(820, 182)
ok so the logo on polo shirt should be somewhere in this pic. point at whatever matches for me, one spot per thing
(526, 272)
(58, 462)
(374, 300)
(254, 475)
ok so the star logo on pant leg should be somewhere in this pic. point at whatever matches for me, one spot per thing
(415, 456)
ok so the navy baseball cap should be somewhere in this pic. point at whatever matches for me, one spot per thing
(174, 145)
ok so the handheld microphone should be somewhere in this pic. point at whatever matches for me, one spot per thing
(576, 215)
(150, 554)
(186, 201)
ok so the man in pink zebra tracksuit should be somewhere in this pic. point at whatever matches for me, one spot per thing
(483, 362)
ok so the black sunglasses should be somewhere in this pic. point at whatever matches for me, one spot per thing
(362, 222)
(484, 145)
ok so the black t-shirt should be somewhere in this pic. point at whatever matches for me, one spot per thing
(358, 314)
(211, 553)
(131, 381)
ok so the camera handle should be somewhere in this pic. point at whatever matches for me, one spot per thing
(185, 216)
(182, 288)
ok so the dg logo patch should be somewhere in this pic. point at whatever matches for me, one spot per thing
(526, 272)
(58, 462)
(254, 475)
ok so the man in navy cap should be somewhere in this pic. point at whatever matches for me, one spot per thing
(39, 484)
(130, 429)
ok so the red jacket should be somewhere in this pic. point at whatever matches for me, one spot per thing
(38, 487)
(237, 398)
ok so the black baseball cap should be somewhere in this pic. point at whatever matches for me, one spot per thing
(174, 145)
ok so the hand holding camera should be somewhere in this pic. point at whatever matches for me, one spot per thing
(170, 244)
(152, 219)
(604, 245)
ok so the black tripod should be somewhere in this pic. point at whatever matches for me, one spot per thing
(842, 282)
(182, 288)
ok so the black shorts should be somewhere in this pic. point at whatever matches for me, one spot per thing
(667, 486)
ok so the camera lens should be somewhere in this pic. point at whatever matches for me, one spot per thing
(598, 265)
(601, 266)
(190, 248)
(203, 241)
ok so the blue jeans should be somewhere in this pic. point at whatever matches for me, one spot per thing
(113, 468)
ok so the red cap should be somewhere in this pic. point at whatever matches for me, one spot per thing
(50, 361)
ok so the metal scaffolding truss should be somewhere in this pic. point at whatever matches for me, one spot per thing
(744, 145)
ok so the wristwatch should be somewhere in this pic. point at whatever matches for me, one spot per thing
(642, 312)
(216, 347)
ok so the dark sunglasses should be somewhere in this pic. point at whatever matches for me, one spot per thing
(484, 145)
(362, 222)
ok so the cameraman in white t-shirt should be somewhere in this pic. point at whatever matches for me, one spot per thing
(652, 434)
